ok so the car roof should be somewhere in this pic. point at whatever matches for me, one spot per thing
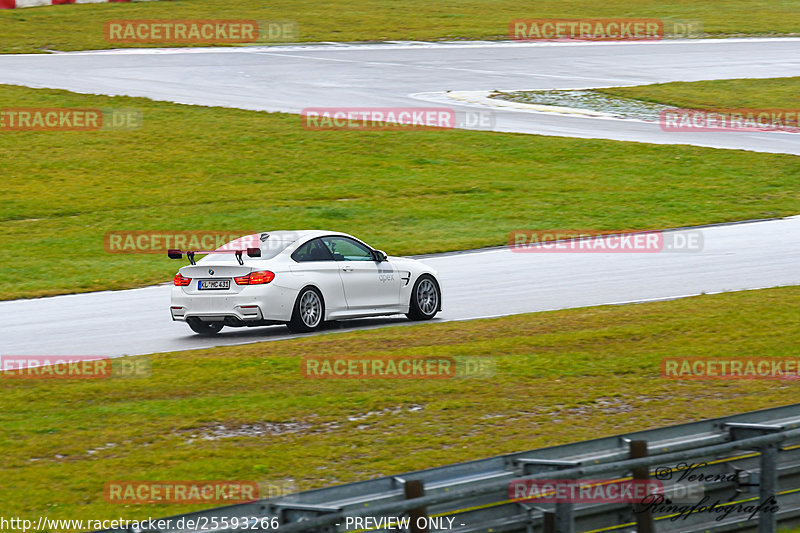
(294, 235)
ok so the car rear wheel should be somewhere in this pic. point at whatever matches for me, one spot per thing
(205, 328)
(425, 298)
(309, 309)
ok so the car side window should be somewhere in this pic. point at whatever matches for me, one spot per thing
(344, 249)
(313, 250)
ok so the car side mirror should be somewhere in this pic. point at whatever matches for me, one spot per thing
(174, 254)
(379, 255)
(254, 252)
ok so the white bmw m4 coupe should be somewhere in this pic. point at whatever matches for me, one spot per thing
(301, 279)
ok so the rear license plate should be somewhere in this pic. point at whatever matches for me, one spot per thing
(213, 284)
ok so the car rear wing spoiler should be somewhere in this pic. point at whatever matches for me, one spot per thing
(177, 254)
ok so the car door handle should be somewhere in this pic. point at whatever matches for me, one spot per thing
(347, 268)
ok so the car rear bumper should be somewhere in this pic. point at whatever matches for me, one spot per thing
(255, 305)
(241, 315)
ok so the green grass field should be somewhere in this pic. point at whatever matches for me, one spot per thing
(201, 168)
(75, 27)
(768, 93)
(560, 377)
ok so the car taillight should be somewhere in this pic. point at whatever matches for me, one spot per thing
(255, 278)
(180, 281)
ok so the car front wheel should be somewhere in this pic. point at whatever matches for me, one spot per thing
(425, 299)
(309, 309)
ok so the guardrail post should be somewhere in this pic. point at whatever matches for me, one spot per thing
(767, 521)
(768, 477)
(549, 522)
(562, 519)
(415, 488)
(644, 518)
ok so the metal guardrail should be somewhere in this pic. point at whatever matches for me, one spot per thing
(729, 463)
